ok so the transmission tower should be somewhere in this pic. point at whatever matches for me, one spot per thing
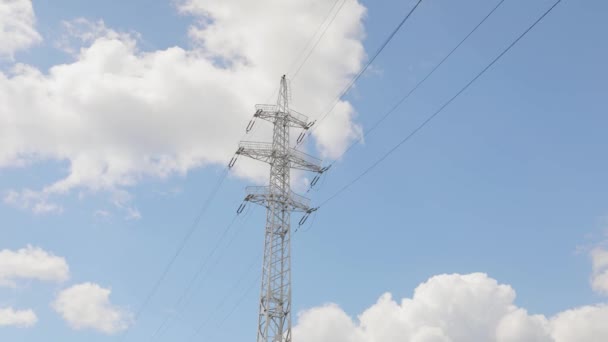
(274, 323)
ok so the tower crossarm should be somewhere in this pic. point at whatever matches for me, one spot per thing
(264, 151)
(261, 151)
(271, 112)
(302, 161)
(263, 196)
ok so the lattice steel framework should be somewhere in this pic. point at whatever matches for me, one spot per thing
(274, 323)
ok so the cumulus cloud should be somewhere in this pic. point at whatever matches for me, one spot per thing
(18, 318)
(17, 26)
(584, 324)
(599, 277)
(116, 114)
(31, 263)
(81, 30)
(452, 308)
(88, 306)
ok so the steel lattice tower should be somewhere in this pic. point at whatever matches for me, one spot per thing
(274, 323)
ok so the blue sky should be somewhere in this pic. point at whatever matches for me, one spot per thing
(509, 180)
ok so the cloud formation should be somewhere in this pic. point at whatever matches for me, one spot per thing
(17, 27)
(31, 263)
(452, 308)
(599, 276)
(17, 318)
(116, 114)
(88, 306)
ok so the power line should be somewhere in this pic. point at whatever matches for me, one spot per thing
(365, 67)
(229, 294)
(407, 95)
(250, 267)
(180, 248)
(430, 118)
(188, 290)
(293, 64)
(234, 287)
(236, 305)
(295, 74)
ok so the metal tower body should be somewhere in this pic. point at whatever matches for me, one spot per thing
(280, 201)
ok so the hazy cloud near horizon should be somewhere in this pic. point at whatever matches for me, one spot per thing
(453, 308)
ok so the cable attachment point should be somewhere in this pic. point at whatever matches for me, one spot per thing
(244, 204)
(236, 156)
(318, 177)
(252, 121)
(305, 217)
(303, 134)
(232, 162)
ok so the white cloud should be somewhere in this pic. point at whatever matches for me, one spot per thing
(599, 277)
(102, 214)
(133, 214)
(18, 318)
(116, 114)
(81, 30)
(31, 263)
(452, 308)
(37, 202)
(87, 306)
(584, 324)
(17, 26)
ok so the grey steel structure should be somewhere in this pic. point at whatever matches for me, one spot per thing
(274, 323)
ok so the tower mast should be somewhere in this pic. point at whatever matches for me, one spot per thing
(274, 322)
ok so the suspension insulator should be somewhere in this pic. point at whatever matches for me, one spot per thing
(250, 125)
(301, 137)
(303, 219)
(306, 216)
(241, 208)
(232, 161)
